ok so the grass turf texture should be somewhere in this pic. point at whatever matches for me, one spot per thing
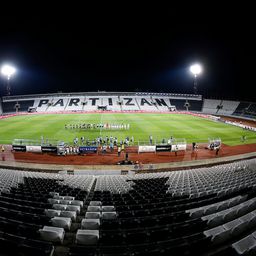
(141, 126)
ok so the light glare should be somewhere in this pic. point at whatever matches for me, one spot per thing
(196, 69)
(8, 70)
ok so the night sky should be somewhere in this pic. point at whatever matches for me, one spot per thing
(149, 51)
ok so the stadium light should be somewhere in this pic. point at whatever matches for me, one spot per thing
(195, 69)
(8, 71)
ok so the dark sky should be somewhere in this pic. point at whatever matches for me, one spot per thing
(133, 51)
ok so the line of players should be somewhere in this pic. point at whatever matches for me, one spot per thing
(104, 144)
(107, 140)
(106, 126)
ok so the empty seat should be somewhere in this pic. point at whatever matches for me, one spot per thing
(109, 215)
(64, 201)
(93, 215)
(73, 208)
(61, 222)
(245, 245)
(93, 208)
(108, 208)
(69, 198)
(59, 207)
(91, 224)
(95, 203)
(69, 214)
(53, 193)
(52, 234)
(240, 228)
(53, 201)
(218, 234)
(87, 237)
(52, 213)
(58, 197)
(232, 224)
(77, 202)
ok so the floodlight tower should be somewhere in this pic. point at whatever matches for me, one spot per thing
(195, 69)
(8, 71)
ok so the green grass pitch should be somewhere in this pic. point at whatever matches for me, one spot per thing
(160, 126)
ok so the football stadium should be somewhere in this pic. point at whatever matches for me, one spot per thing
(182, 183)
(91, 166)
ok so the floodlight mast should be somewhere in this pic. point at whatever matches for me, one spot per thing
(8, 71)
(195, 69)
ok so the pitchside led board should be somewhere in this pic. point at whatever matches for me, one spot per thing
(21, 148)
(84, 150)
(162, 148)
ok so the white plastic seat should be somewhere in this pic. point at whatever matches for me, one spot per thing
(240, 228)
(52, 234)
(53, 201)
(73, 208)
(247, 217)
(214, 231)
(77, 202)
(91, 224)
(69, 214)
(63, 201)
(93, 215)
(61, 222)
(93, 208)
(69, 198)
(215, 221)
(109, 215)
(87, 237)
(221, 237)
(210, 209)
(232, 224)
(108, 208)
(52, 213)
(58, 197)
(244, 245)
(53, 193)
(95, 203)
(59, 207)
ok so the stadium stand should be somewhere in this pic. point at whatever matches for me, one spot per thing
(210, 106)
(10, 106)
(193, 105)
(89, 102)
(203, 211)
(125, 101)
(228, 107)
(246, 109)
(1, 110)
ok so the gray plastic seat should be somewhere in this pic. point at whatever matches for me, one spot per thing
(69, 214)
(53, 201)
(95, 203)
(239, 229)
(87, 237)
(61, 222)
(75, 208)
(59, 207)
(93, 215)
(77, 202)
(93, 208)
(69, 198)
(52, 234)
(108, 208)
(232, 224)
(245, 245)
(91, 224)
(109, 215)
(52, 213)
